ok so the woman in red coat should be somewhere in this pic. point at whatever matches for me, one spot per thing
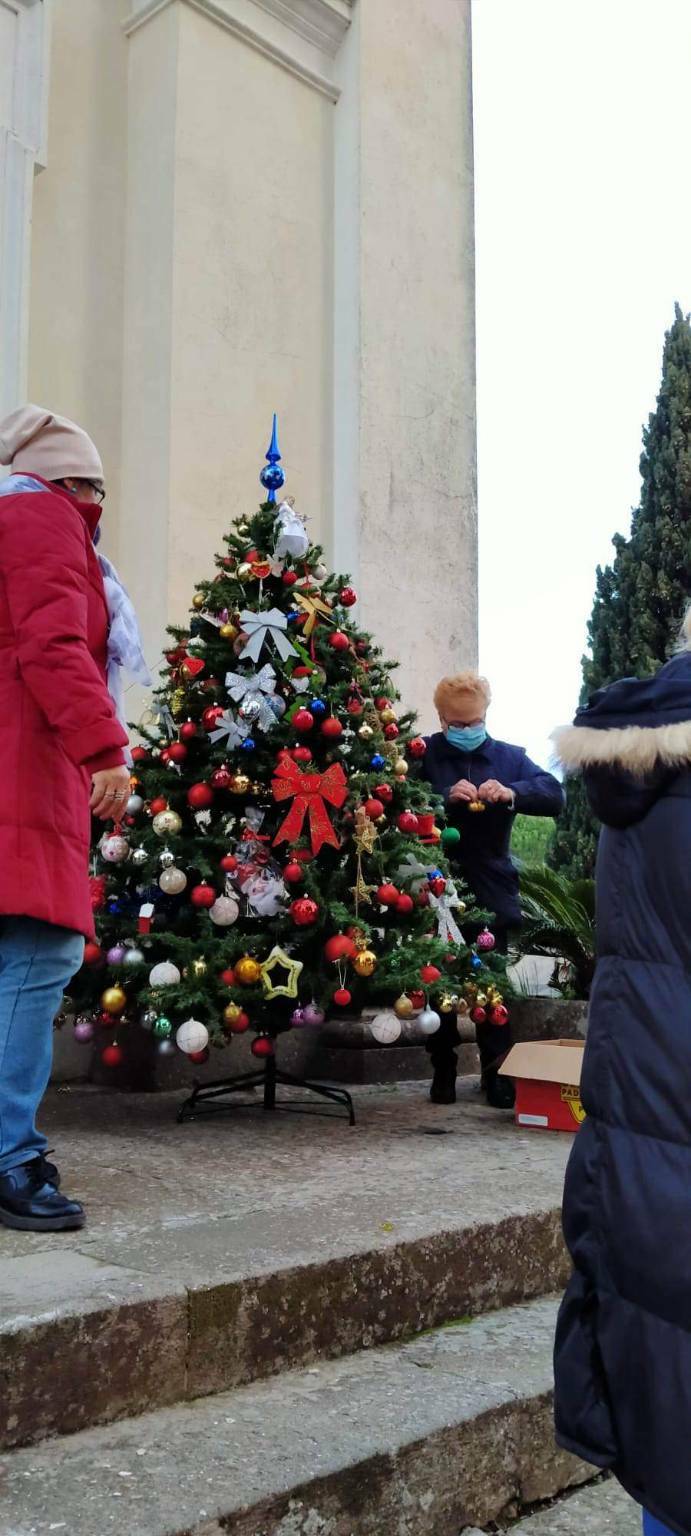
(62, 755)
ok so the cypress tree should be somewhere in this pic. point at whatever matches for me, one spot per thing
(641, 597)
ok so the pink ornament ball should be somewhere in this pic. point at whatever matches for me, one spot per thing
(116, 955)
(313, 1016)
(486, 940)
(83, 1031)
(297, 1018)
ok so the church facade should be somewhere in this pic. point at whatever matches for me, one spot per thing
(211, 210)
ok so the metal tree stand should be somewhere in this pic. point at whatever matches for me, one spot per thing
(207, 1098)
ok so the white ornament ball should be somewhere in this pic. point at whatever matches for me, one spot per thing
(428, 1021)
(114, 848)
(224, 912)
(166, 823)
(173, 881)
(165, 974)
(133, 957)
(385, 1028)
(192, 1036)
(134, 805)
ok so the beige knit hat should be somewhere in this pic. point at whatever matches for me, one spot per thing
(34, 441)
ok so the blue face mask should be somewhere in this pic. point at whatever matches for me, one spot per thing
(468, 738)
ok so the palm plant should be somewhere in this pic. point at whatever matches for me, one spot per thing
(559, 916)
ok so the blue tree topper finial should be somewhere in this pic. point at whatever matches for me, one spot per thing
(272, 476)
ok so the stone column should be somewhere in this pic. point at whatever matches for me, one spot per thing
(23, 92)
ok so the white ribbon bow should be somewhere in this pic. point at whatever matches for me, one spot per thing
(412, 869)
(447, 926)
(292, 539)
(257, 686)
(262, 627)
(227, 725)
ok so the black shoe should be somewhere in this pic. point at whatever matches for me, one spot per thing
(30, 1201)
(50, 1172)
(443, 1090)
(499, 1091)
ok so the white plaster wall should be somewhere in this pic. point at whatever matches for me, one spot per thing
(76, 292)
(252, 296)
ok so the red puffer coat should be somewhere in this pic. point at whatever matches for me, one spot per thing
(57, 721)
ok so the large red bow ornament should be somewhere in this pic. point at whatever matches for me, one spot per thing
(309, 793)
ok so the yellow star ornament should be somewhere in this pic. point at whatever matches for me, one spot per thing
(279, 961)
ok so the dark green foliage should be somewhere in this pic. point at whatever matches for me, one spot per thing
(531, 838)
(640, 599)
(560, 921)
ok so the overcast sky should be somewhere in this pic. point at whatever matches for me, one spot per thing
(583, 189)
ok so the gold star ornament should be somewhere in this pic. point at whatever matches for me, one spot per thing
(278, 961)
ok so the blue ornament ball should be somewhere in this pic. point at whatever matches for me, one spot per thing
(476, 962)
(272, 477)
(318, 707)
(378, 761)
(293, 615)
(277, 705)
(248, 744)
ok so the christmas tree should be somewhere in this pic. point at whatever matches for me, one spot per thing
(280, 857)
(641, 598)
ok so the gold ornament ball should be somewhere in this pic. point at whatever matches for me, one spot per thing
(365, 733)
(231, 1012)
(113, 1000)
(447, 1003)
(365, 962)
(240, 784)
(388, 716)
(244, 571)
(228, 631)
(481, 999)
(400, 767)
(177, 702)
(198, 601)
(403, 1007)
(248, 971)
(198, 967)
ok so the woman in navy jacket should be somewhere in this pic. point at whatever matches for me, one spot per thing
(623, 1355)
(469, 768)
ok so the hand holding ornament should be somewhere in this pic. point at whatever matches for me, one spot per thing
(463, 792)
(494, 793)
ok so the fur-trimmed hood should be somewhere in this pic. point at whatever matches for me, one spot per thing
(638, 726)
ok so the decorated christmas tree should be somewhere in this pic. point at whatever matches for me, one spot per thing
(281, 857)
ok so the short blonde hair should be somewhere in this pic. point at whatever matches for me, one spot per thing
(465, 695)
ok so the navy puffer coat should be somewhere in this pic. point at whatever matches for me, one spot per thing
(623, 1352)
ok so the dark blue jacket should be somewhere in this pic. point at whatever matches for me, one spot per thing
(623, 1353)
(483, 856)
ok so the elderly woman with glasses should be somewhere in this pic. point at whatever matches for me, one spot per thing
(64, 618)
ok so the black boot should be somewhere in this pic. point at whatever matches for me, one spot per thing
(443, 1090)
(31, 1202)
(494, 1044)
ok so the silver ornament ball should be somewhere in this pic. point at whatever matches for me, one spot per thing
(166, 858)
(134, 805)
(133, 956)
(140, 857)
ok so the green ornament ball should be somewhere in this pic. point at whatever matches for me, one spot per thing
(163, 1028)
(450, 835)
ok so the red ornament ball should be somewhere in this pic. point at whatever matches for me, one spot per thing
(499, 1014)
(340, 947)
(384, 792)
(423, 897)
(478, 1015)
(374, 809)
(347, 597)
(158, 804)
(382, 703)
(388, 894)
(405, 904)
(417, 747)
(339, 641)
(438, 885)
(93, 954)
(303, 720)
(229, 863)
(332, 728)
(430, 974)
(301, 754)
(391, 731)
(187, 731)
(177, 752)
(343, 998)
(263, 1046)
(408, 821)
(211, 716)
(202, 896)
(293, 873)
(355, 707)
(227, 977)
(289, 578)
(304, 911)
(200, 796)
(139, 754)
(199, 1056)
(304, 855)
(417, 997)
(112, 1056)
(222, 778)
(165, 756)
(238, 1025)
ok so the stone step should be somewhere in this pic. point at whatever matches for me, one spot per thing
(221, 1252)
(602, 1509)
(426, 1438)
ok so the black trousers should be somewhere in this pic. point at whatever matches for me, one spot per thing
(493, 1040)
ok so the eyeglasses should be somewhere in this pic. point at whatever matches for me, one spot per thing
(98, 490)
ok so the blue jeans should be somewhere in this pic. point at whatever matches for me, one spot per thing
(652, 1527)
(37, 960)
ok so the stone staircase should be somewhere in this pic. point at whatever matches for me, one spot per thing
(279, 1326)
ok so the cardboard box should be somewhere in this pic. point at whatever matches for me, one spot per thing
(547, 1074)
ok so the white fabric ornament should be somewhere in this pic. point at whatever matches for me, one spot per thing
(254, 692)
(234, 730)
(265, 894)
(262, 627)
(114, 849)
(165, 974)
(292, 538)
(192, 1036)
(385, 1028)
(447, 927)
